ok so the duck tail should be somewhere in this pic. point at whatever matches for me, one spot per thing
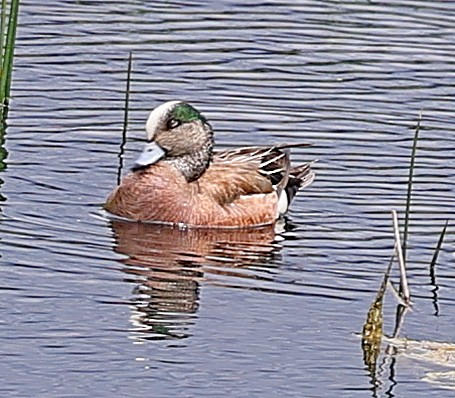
(299, 177)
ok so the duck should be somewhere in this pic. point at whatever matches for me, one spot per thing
(180, 179)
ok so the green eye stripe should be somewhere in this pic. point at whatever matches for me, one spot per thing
(186, 113)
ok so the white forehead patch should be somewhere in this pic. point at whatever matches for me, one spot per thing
(156, 117)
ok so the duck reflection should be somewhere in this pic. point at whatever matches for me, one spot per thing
(168, 265)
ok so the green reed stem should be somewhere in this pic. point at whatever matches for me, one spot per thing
(410, 181)
(127, 93)
(7, 51)
(2, 32)
(125, 117)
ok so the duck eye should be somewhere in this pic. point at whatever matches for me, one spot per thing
(173, 123)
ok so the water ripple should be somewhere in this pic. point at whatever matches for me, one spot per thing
(194, 311)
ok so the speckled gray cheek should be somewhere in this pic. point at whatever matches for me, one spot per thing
(193, 165)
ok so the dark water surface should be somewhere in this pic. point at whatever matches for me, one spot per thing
(92, 307)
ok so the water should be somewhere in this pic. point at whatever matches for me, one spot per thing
(92, 307)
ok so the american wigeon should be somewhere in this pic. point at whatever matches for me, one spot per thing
(179, 179)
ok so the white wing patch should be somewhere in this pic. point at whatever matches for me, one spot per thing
(283, 203)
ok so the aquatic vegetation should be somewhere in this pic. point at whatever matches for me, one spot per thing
(8, 25)
(372, 333)
(409, 192)
(373, 328)
(441, 379)
(125, 117)
(430, 352)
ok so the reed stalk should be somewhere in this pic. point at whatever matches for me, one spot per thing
(8, 26)
(404, 287)
(127, 93)
(2, 30)
(409, 192)
(125, 117)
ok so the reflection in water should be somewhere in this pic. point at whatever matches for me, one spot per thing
(372, 332)
(435, 288)
(168, 263)
(3, 155)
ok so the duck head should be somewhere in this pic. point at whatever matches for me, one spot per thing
(177, 133)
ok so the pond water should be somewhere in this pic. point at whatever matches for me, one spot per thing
(92, 307)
